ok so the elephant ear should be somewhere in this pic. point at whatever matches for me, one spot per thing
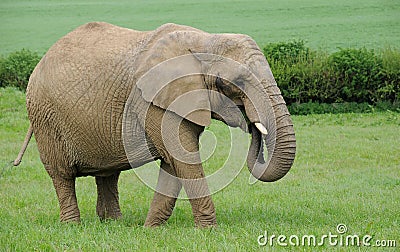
(176, 83)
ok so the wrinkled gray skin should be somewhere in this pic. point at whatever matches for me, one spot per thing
(76, 97)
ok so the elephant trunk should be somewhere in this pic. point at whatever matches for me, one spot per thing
(278, 136)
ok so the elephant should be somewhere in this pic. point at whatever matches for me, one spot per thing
(91, 91)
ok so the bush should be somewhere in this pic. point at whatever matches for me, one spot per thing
(17, 67)
(357, 73)
(298, 71)
(288, 53)
(346, 76)
(389, 89)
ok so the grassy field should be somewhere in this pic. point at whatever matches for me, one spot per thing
(347, 168)
(346, 171)
(325, 24)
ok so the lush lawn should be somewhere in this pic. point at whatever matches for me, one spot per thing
(347, 168)
(37, 24)
(346, 171)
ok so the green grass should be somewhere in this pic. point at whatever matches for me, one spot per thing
(346, 171)
(346, 168)
(36, 25)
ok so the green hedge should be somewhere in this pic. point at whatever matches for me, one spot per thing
(17, 67)
(348, 75)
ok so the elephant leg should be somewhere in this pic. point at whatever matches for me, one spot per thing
(167, 191)
(65, 189)
(185, 159)
(198, 193)
(107, 197)
(177, 141)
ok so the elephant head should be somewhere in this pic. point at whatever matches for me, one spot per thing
(199, 76)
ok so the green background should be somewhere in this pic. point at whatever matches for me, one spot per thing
(325, 24)
(346, 169)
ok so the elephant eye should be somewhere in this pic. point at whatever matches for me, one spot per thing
(219, 83)
(223, 87)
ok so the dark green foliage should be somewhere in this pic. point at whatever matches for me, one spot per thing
(389, 88)
(357, 73)
(298, 71)
(347, 76)
(17, 67)
(289, 53)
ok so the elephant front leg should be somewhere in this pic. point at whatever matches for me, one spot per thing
(107, 197)
(167, 191)
(195, 185)
(185, 159)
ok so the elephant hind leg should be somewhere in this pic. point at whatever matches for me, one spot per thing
(107, 197)
(65, 189)
(167, 191)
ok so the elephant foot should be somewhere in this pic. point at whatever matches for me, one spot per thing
(104, 215)
(160, 210)
(153, 223)
(114, 215)
(76, 220)
(202, 225)
(70, 214)
(204, 212)
(205, 221)
(155, 219)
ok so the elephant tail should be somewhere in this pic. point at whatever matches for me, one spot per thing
(28, 136)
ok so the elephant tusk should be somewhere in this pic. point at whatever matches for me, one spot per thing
(261, 128)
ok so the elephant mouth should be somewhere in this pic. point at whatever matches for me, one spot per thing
(236, 120)
(246, 125)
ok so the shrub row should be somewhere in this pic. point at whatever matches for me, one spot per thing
(348, 75)
(17, 67)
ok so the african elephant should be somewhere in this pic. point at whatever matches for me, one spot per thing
(77, 100)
